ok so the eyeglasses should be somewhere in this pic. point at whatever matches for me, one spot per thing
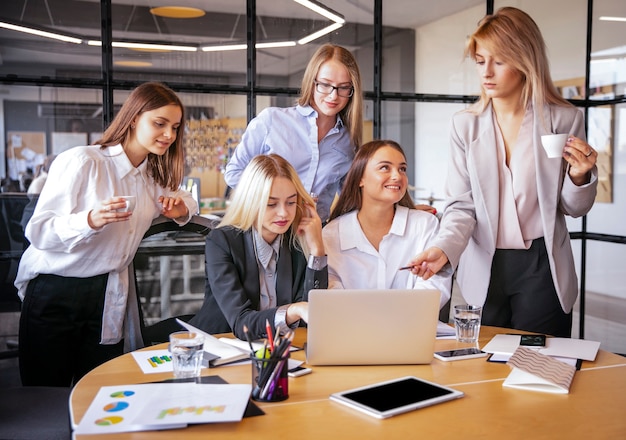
(327, 89)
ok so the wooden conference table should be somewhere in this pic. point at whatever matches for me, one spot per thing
(594, 408)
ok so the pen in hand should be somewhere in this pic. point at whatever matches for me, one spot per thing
(406, 268)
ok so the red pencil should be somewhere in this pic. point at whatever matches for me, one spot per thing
(270, 336)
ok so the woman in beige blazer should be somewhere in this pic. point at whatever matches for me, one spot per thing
(504, 220)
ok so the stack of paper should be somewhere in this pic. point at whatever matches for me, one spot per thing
(505, 346)
(145, 407)
(537, 372)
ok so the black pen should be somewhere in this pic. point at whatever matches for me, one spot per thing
(406, 267)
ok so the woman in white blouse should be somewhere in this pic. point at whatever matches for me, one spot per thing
(77, 311)
(374, 227)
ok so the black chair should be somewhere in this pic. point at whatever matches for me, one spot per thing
(174, 240)
(33, 413)
(15, 211)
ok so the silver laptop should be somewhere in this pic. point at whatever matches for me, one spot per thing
(372, 327)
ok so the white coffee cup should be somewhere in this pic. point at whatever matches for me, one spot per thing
(131, 202)
(554, 144)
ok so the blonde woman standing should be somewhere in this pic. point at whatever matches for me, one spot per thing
(504, 220)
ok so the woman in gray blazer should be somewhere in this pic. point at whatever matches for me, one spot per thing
(265, 256)
(504, 220)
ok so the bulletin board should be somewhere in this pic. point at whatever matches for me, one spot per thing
(25, 149)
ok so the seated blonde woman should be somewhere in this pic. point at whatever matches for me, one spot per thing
(265, 256)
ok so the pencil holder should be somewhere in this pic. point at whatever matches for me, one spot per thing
(269, 378)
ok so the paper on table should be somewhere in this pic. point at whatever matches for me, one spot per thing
(445, 331)
(126, 408)
(538, 372)
(243, 345)
(226, 353)
(560, 347)
(153, 361)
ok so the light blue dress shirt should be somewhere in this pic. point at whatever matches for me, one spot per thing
(292, 133)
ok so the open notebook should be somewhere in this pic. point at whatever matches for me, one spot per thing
(371, 327)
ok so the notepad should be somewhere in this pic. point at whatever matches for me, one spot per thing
(534, 371)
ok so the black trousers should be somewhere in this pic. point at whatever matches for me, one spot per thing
(521, 293)
(60, 329)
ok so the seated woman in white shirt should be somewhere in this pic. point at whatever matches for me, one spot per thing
(374, 228)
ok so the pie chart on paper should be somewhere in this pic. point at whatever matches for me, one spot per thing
(115, 406)
(108, 421)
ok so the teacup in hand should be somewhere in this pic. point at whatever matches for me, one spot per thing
(554, 144)
(131, 201)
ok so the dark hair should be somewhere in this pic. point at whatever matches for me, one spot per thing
(350, 198)
(167, 170)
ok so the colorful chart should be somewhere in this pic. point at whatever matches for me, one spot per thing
(122, 394)
(155, 361)
(115, 406)
(108, 421)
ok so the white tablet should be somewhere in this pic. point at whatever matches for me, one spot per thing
(389, 398)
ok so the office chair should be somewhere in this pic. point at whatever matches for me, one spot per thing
(179, 240)
(15, 211)
(29, 413)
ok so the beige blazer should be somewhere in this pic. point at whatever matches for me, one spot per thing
(470, 221)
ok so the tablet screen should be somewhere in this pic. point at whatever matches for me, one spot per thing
(389, 398)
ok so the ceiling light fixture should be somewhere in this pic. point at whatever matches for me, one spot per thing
(177, 12)
(322, 10)
(275, 44)
(40, 33)
(605, 18)
(131, 63)
(245, 46)
(224, 47)
(320, 33)
(146, 46)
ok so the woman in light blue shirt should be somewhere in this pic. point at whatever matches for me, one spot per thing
(320, 135)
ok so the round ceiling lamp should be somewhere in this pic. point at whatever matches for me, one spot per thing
(177, 12)
(130, 63)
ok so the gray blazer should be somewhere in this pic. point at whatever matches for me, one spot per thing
(470, 221)
(232, 295)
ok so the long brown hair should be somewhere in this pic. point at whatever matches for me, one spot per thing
(351, 198)
(167, 170)
(352, 113)
(514, 37)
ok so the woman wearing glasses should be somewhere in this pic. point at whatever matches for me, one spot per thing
(320, 135)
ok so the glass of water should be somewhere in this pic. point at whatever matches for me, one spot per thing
(187, 349)
(467, 322)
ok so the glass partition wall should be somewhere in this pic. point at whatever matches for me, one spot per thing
(67, 65)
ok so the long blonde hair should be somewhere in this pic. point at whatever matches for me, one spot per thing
(352, 113)
(514, 37)
(249, 199)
